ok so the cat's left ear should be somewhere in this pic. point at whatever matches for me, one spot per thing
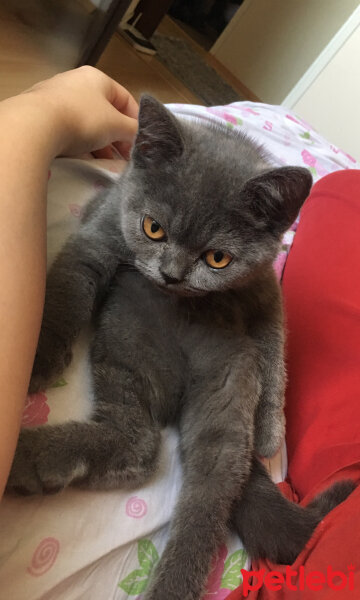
(276, 196)
(159, 137)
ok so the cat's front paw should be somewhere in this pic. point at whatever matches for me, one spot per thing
(269, 434)
(35, 469)
(52, 357)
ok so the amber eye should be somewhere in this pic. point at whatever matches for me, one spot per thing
(217, 259)
(153, 229)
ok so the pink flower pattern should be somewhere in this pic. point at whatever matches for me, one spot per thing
(351, 158)
(293, 119)
(249, 111)
(76, 210)
(225, 115)
(312, 162)
(136, 507)
(44, 556)
(213, 591)
(268, 126)
(308, 158)
(36, 410)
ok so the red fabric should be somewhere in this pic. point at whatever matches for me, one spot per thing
(321, 288)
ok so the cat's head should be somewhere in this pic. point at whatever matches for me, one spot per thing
(203, 210)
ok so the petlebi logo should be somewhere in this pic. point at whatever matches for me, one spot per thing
(300, 580)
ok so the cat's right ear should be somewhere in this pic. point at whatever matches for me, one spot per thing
(276, 196)
(159, 138)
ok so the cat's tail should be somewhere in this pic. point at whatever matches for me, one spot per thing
(272, 527)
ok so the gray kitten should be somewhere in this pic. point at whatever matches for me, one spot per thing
(174, 267)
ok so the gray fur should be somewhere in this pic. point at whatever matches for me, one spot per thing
(205, 353)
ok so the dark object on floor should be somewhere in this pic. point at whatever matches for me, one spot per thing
(204, 13)
(178, 56)
(136, 39)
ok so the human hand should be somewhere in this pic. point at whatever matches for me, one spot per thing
(89, 111)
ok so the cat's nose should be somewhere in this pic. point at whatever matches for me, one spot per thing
(168, 279)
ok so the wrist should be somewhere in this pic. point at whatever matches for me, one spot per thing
(32, 118)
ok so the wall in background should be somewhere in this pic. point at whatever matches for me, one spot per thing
(331, 103)
(270, 44)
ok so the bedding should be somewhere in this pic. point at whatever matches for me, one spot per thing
(103, 545)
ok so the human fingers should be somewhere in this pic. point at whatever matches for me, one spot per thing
(123, 101)
(122, 127)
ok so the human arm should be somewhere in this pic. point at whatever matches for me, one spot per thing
(72, 113)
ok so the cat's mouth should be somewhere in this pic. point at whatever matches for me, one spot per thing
(170, 289)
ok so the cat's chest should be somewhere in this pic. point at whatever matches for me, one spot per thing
(185, 321)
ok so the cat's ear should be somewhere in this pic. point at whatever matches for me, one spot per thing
(159, 138)
(276, 196)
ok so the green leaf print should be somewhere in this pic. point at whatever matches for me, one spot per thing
(59, 383)
(239, 121)
(135, 583)
(232, 577)
(147, 555)
(313, 171)
(138, 580)
(305, 135)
